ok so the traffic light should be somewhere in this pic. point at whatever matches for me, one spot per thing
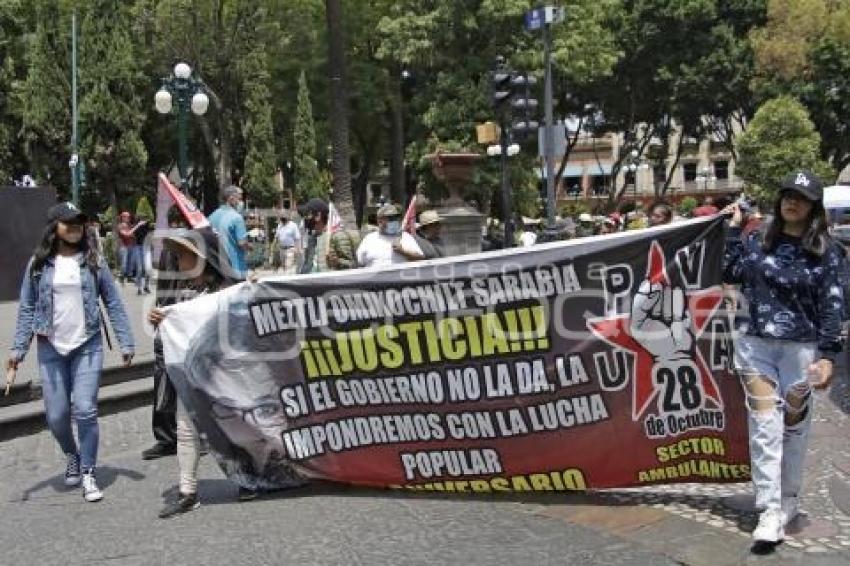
(501, 83)
(524, 106)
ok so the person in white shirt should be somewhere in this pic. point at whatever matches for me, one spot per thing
(389, 245)
(288, 239)
(61, 291)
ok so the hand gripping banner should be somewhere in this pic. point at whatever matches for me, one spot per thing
(594, 363)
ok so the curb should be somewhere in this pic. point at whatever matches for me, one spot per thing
(113, 375)
(121, 389)
(25, 418)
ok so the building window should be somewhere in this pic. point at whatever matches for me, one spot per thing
(690, 171)
(573, 186)
(721, 170)
(599, 184)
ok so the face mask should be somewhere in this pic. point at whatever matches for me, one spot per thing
(240, 206)
(392, 228)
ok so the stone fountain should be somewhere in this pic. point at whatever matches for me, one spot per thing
(461, 232)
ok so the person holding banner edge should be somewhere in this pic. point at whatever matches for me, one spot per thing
(203, 271)
(790, 276)
(60, 305)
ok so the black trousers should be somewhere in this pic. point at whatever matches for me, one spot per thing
(164, 421)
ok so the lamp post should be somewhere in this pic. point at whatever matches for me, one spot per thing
(188, 93)
(704, 177)
(634, 163)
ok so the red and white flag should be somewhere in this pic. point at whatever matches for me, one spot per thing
(408, 223)
(334, 219)
(190, 212)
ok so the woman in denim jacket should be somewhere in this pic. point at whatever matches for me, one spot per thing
(59, 304)
(792, 280)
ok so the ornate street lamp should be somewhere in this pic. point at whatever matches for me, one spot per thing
(705, 175)
(178, 94)
(633, 164)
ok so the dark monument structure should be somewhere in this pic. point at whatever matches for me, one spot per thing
(23, 215)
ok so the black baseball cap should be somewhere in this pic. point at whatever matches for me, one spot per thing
(317, 205)
(66, 212)
(804, 182)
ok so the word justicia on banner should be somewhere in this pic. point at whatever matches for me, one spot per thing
(601, 362)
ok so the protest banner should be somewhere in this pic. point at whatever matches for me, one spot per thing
(592, 363)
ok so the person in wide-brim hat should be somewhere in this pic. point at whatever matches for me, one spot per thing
(428, 236)
(199, 267)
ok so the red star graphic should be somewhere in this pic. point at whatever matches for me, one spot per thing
(616, 331)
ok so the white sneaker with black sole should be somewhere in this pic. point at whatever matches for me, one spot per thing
(72, 470)
(91, 492)
(770, 527)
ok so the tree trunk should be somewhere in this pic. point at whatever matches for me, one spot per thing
(340, 166)
(219, 147)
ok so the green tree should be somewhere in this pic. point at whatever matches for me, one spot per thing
(12, 68)
(261, 156)
(111, 107)
(144, 211)
(804, 50)
(307, 179)
(687, 206)
(43, 97)
(779, 139)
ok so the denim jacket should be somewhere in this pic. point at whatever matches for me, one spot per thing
(35, 308)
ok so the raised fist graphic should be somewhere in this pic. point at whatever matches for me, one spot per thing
(660, 320)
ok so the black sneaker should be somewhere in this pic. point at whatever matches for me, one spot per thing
(184, 504)
(159, 450)
(73, 475)
(247, 494)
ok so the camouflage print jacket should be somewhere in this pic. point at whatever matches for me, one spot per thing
(342, 251)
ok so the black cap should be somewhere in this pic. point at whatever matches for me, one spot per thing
(316, 204)
(65, 212)
(804, 182)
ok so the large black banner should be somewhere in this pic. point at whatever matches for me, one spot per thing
(593, 363)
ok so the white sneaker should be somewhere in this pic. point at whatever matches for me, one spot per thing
(769, 529)
(790, 509)
(91, 492)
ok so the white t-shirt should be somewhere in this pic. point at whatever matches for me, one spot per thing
(287, 234)
(69, 315)
(527, 238)
(376, 249)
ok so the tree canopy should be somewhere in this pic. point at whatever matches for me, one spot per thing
(416, 78)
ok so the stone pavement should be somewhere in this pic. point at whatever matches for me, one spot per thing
(43, 523)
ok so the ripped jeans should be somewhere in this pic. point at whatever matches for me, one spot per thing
(779, 404)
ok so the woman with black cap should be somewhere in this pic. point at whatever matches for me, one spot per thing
(790, 276)
(60, 305)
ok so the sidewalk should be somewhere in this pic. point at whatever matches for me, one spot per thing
(114, 372)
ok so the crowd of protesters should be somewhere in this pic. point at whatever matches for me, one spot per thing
(779, 364)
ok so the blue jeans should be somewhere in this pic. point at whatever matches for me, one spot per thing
(124, 261)
(777, 448)
(77, 375)
(137, 253)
